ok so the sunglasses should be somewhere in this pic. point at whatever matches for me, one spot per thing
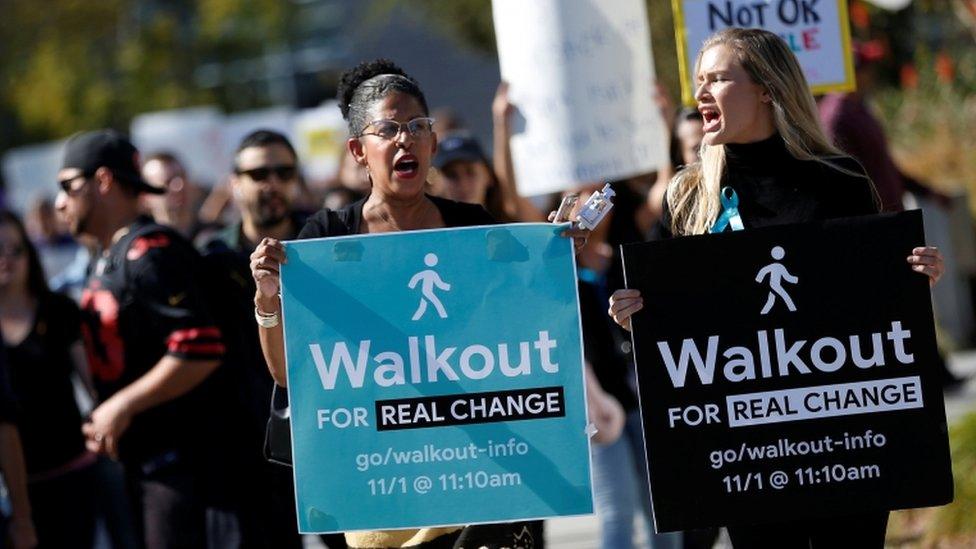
(68, 186)
(283, 173)
(389, 129)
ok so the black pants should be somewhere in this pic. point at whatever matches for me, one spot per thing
(862, 531)
(175, 511)
(63, 509)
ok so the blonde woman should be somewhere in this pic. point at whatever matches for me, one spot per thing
(763, 141)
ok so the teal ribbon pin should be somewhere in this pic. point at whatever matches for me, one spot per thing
(730, 212)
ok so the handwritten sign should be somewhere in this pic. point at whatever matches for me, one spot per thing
(580, 75)
(817, 31)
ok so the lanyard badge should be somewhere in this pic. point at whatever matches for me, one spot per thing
(730, 212)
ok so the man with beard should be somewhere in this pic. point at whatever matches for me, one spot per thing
(154, 350)
(265, 186)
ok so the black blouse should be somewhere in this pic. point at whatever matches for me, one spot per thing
(775, 188)
(348, 220)
(40, 375)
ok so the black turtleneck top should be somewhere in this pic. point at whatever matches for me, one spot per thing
(775, 188)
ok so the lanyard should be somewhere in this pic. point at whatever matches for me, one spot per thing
(730, 212)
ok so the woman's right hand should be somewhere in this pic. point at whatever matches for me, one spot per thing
(623, 304)
(266, 269)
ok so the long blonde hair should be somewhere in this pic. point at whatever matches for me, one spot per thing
(693, 195)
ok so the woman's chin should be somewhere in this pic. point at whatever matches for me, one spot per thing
(407, 185)
(714, 138)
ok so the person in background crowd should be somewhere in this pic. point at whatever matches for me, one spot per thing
(686, 138)
(153, 348)
(65, 262)
(264, 185)
(619, 478)
(852, 127)
(764, 141)
(216, 209)
(467, 177)
(619, 474)
(42, 338)
(337, 198)
(63, 259)
(18, 531)
(391, 136)
(350, 176)
(516, 207)
(178, 204)
(447, 120)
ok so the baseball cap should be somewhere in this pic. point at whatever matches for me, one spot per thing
(457, 147)
(89, 151)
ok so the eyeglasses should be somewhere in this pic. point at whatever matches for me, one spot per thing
(67, 185)
(283, 173)
(15, 250)
(389, 129)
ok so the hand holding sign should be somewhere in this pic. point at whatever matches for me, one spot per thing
(623, 304)
(266, 264)
(928, 261)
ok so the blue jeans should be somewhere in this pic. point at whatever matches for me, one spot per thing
(620, 490)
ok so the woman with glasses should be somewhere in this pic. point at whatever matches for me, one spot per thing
(762, 140)
(391, 137)
(41, 335)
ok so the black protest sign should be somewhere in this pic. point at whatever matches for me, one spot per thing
(788, 373)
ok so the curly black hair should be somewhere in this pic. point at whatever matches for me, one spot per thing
(369, 82)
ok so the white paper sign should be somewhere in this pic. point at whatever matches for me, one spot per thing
(193, 134)
(320, 137)
(816, 30)
(31, 173)
(580, 75)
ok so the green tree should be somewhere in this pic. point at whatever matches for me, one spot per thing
(70, 65)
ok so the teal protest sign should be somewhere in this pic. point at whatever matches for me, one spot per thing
(436, 378)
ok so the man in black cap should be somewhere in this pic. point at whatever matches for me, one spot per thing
(153, 348)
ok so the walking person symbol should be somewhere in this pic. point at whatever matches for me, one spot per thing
(777, 273)
(428, 278)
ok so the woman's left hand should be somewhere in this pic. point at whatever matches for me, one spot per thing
(928, 261)
(579, 235)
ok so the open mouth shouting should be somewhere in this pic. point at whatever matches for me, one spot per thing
(406, 166)
(711, 117)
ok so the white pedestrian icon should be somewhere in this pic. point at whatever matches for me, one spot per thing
(777, 273)
(428, 278)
